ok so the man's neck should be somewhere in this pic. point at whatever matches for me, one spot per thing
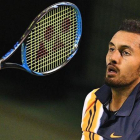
(119, 95)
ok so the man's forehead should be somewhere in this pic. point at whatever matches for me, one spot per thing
(126, 38)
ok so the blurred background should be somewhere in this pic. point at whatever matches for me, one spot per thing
(50, 107)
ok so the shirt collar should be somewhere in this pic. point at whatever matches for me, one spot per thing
(104, 96)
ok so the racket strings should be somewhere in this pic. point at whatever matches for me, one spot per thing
(41, 31)
(56, 59)
(49, 32)
(53, 21)
(59, 51)
(53, 56)
(49, 49)
(52, 40)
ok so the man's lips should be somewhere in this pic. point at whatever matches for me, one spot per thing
(112, 70)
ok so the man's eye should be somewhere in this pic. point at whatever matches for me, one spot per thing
(125, 53)
(111, 49)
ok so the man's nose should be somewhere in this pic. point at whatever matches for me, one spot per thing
(115, 57)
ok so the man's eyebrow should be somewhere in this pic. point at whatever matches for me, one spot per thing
(122, 46)
(111, 44)
(126, 47)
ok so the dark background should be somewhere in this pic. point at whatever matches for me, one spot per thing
(26, 98)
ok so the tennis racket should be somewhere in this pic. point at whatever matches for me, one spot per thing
(50, 41)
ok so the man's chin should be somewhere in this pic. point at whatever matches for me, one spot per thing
(117, 83)
(111, 82)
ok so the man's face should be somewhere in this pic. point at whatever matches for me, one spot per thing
(123, 60)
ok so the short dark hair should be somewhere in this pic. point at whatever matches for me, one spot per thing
(130, 25)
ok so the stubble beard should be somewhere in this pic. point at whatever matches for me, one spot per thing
(119, 83)
(123, 81)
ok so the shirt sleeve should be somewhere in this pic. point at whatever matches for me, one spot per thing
(87, 103)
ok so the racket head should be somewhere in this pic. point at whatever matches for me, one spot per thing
(52, 39)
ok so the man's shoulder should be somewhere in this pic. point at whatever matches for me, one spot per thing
(91, 95)
(89, 100)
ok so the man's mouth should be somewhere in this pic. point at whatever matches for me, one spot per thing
(111, 70)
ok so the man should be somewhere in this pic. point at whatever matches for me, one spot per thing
(113, 111)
